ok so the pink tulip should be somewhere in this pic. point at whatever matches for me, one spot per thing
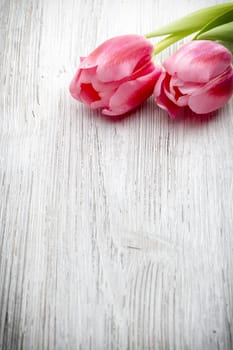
(117, 76)
(199, 75)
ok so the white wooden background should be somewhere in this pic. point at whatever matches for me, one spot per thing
(114, 234)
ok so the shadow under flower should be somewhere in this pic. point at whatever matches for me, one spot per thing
(149, 109)
(188, 117)
(187, 113)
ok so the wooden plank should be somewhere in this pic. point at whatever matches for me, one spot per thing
(114, 235)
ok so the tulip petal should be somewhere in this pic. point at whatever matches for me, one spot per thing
(190, 88)
(213, 98)
(89, 94)
(131, 94)
(117, 76)
(198, 61)
(165, 103)
(158, 84)
(118, 57)
(172, 91)
(82, 78)
(75, 86)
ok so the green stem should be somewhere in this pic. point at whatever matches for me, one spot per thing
(169, 40)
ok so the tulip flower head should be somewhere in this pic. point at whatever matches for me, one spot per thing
(199, 76)
(117, 76)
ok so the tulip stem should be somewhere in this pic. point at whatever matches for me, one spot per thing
(169, 40)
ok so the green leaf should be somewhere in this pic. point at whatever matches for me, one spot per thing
(223, 33)
(219, 20)
(194, 21)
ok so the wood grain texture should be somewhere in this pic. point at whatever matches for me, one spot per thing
(114, 235)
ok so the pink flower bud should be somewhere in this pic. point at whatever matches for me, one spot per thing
(199, 75)
(117, 76)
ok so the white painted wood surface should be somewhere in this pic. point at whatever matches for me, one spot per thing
(114, 235)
